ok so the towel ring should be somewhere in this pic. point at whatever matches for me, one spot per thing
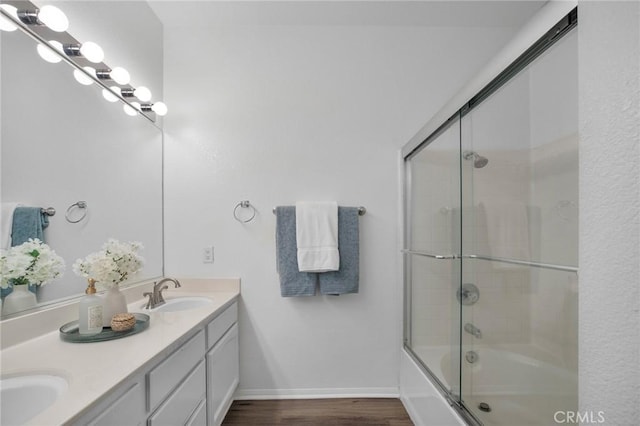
(79, 204)
(245, 205)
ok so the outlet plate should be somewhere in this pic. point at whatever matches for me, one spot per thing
(207, 255)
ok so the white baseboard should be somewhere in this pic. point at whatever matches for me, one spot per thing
(244, 394)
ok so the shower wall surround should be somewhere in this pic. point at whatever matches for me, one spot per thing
(280, 113)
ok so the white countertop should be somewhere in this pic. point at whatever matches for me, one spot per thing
(93, 369)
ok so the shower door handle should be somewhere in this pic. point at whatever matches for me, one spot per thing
(430, 255)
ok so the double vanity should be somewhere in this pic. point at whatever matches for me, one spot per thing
(183, 369)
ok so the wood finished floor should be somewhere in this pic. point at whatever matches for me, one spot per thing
(319, 412)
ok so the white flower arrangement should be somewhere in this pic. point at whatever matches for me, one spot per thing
(114, 264)
(32, 262)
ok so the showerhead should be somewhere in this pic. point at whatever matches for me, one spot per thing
(478, 160)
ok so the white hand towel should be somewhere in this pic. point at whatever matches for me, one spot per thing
(6, 224)
(317, 236)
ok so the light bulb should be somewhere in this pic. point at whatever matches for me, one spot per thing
(82, 78)
(92, 52)
(159, 108)
(130, 110)
(48, 54)
(142, 93)
(120, 75)
(108, 94)
(5, 23)
(53, 18)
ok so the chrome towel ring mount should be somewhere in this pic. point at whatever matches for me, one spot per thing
(245, 204)
(78, 205)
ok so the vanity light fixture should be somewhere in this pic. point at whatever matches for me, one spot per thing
(83, 78)
(120, 75)
(131, 110)
(91, 51)
(38, 23)
(49, 54)
(109, 94)
(159, 108)
(53, 18)
(142, 93)
(48, 15)
(126, 93)
(6, 24)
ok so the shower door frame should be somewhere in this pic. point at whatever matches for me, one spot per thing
(557, 32)
(407, 266)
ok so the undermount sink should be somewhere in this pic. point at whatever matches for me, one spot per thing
(24, 397)
(182, 304)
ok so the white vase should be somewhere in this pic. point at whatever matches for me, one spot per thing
(19, 300)
(113, 303)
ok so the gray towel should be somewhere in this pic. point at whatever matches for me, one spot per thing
(345, 280)
(28, 222)
(292, 281)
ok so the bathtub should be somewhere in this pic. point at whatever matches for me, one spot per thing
(518, 388)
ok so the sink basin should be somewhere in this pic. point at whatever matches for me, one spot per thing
(24, 397)
(182, 304)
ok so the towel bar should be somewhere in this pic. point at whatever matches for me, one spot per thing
(361, 211)
(49, 211)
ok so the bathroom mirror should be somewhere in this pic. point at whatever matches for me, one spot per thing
(62, 143)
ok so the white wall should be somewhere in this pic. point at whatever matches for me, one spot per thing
(275, 114)
(609, 210)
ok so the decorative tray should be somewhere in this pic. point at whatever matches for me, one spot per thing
(69, 332)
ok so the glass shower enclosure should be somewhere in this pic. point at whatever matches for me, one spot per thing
(491, 253)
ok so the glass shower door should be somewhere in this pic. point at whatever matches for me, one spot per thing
(432, 264)
(519, 180)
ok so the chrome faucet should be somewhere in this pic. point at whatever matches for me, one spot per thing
(472, 329)
(156, 298)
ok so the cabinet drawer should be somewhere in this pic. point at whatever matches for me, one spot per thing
(127, 409)
(220, 325)
(199, 417)
(182, 403)
(170, 372)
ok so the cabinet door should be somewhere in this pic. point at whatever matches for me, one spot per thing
(222, 375)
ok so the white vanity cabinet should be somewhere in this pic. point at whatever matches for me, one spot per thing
(193, 385)
(222, 363)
